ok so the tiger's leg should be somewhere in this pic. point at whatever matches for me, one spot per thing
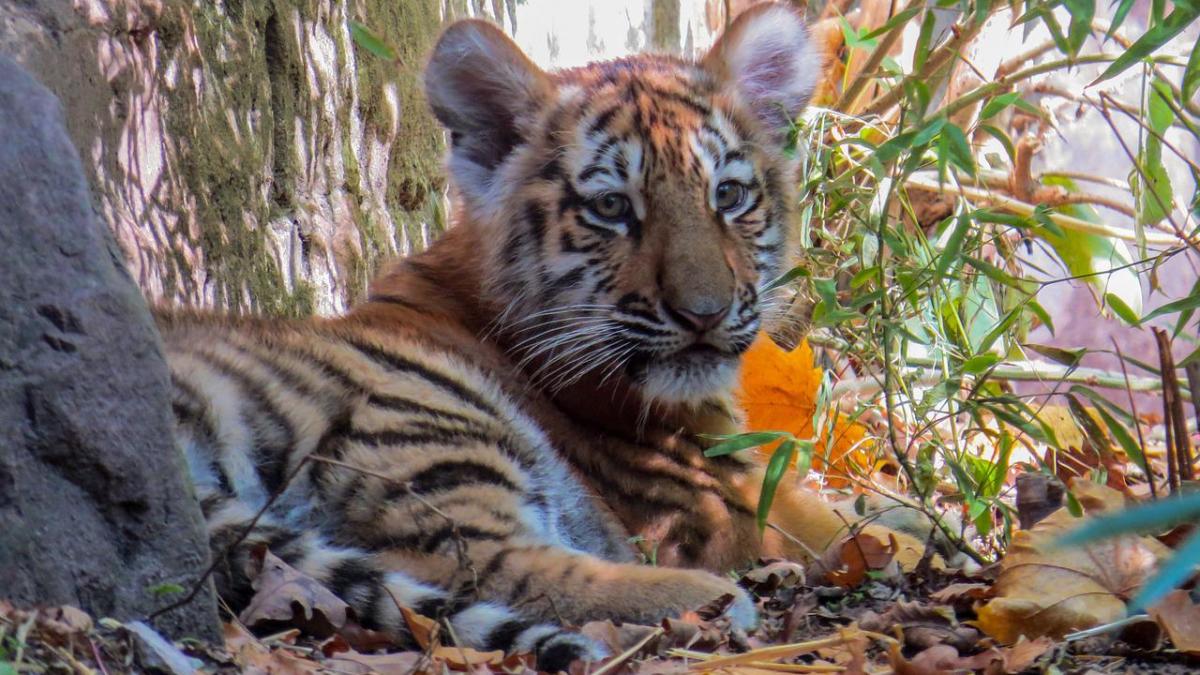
(469, 521)
(550, 583)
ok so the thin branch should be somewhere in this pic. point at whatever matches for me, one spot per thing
(1062, 220)
(867, 73)
(939, 59)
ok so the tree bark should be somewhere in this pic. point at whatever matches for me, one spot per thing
(247, 154)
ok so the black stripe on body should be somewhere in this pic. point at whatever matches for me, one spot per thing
(270, 454)
(401, 364)
(450, 475)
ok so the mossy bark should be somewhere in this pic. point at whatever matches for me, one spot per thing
(247, 153)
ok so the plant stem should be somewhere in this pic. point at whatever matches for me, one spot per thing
(930, 371)
(866, 74)
(1062, 220)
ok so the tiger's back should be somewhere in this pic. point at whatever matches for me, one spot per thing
(483, 437)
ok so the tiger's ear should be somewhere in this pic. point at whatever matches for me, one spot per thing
(767, 57)
(486, 92)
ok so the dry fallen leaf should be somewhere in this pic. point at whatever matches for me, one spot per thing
(1043, 590)
(1180, 617)
(284, 594)
(955, 593)
(847, 563)
(923, 626)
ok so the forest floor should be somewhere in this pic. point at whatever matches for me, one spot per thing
(878, 620)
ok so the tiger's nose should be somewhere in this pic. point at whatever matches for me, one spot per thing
(697, 321)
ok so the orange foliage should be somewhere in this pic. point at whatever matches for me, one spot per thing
(779, 393)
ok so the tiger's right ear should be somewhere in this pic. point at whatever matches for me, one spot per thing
(486, 92)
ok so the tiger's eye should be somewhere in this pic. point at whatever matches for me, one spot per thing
(730, 195)
(610, 206)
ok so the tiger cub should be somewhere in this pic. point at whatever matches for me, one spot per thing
(484, 439)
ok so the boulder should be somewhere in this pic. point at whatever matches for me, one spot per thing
(96, 510)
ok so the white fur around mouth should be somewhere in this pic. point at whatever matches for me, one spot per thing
(688, 376)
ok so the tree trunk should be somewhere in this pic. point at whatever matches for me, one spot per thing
(247, 154)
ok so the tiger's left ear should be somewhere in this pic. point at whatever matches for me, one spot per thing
(767, 57)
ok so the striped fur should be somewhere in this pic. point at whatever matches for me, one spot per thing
(484, 438)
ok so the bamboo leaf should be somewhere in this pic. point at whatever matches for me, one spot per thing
(1191, 74)
(363, 37)
(1159, 34)
(953, 249)
(893, 22)
(1160, 515)
(1190, 303)
(776, 467)
(1173, 573)
(732, 444)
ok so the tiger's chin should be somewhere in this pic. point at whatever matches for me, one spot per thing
(689, 376)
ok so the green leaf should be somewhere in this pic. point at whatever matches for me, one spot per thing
(1124, 439)
(1188, 360)
(1000, 329)
(999, 135)
(891, 148)
(1189, 303)
(777, 465)
(1042, 315)
(1158, 516)
(1119, 15)
(1121, 309)
(1082, 12)
(855, 39)
(992, 272)
(927, 132)
(1084, 420)
(166, 589)
(1158, 35)
(732, 444)
(1149, 180)
(1173, 573)
(1102, 261)
(363, 37)
(7, 668)
(999, 103)
(1073, 505)
(953, 146)
(1066, 357)
(893, 22)
(980, 362)
(921, 52)
(1191, 74)
(787, 278)
(953, 249)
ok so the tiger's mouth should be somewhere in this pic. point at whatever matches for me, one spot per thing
(692, 373)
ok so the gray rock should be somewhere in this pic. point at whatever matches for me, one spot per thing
(95, 508)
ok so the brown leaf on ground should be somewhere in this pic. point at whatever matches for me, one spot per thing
(64, 623)
(955, 593)
(424, 630)
(286, 596)
(619, 638)
(1043, 590)
(253, 657)
(354, 663)
(1180, 617)
(944, 659)
(924, 626)
(283, 594)
(773, 575)
(847, 564)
